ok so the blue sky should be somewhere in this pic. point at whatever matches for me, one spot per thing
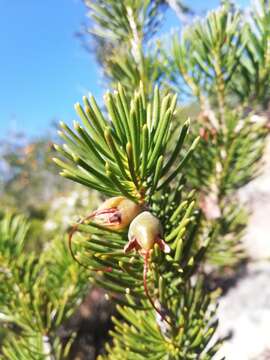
(44, 69)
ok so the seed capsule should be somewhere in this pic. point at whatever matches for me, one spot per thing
(116, 212)
(144, 232)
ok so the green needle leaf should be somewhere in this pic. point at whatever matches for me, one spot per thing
(144, 150)
(116, 152)
(182, 163)
(157, 174)
(177, 149)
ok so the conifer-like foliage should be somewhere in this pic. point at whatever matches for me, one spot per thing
(149, 161)
(219, 64)
(136, 147)
(209, 61)
(37, 293)
(122, 32)
(126, 154)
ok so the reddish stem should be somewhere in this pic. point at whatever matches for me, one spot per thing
(70, 236)
(145, 271)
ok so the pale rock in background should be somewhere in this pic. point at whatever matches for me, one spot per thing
(244, 310)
